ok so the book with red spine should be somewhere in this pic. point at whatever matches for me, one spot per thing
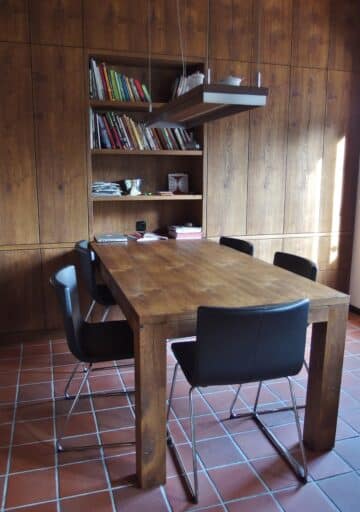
(109, 132)
(112, 123)
(139, 89)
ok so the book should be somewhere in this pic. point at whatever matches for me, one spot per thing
(185, 236)
(139, 89)
(146, 93)
(106, 238)
(185, 229)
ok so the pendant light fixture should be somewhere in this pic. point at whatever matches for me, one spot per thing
(209, 101)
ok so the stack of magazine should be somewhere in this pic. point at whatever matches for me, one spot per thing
(185, 232)
(105, 188)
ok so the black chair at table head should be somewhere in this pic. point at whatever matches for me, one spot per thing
(241, 345)
(240, 245)
(297, 264)
(89, 342)
(99, 293)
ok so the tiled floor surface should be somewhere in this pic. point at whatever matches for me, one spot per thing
(240, 471)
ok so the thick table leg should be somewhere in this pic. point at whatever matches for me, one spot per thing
(326, 360)
(150, 397)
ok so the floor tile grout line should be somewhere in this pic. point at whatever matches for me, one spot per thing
(9, 460)
(56, 456)
(102, 452)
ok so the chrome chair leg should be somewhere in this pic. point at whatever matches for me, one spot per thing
(90, 310)
(232, 414)
(59, 446)
(66, 394)
(106, 313)
(193, 490)
(306, 365)
(297, 420)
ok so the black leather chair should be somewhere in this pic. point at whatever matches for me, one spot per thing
(89, 342)
(297, 264)
(241, 345)
(239, 245)
(99, 293)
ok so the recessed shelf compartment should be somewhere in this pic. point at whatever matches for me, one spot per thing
(162, 152)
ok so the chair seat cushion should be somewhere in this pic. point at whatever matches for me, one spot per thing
(185, 356)
(106, 341)
(104, 296)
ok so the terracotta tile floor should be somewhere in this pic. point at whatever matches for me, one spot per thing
(239, 469)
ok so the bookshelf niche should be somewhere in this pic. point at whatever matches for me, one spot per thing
(154, 160)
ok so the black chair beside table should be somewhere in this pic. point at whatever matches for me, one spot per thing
(90, 343)
(237, 244)
(238, 346)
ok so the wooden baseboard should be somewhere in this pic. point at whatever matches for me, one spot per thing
(8, 338)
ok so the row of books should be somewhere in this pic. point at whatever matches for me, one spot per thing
(105, 188)
(111, 130)
(108, 84)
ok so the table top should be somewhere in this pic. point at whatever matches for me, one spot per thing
(158, 281)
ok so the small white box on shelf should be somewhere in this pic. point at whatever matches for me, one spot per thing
(178, 183)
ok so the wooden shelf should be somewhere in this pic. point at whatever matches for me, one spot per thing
(160, 152)
(128, 106)
(154, 197)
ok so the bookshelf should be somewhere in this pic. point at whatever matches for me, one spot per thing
(152, 166)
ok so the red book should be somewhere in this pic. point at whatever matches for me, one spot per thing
(113, 129)
(139, 89)
(109, 132)
(103, 79)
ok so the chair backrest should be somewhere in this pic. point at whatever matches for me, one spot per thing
(87, 262)
(65, 284)
(239, 245)
(296, 264)
(236, 345)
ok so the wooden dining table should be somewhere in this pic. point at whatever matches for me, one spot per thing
(159, 286)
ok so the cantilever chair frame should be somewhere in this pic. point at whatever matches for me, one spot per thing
(300, 471)
(88, 369)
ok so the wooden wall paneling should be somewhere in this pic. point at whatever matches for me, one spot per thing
(265, 248)
(115, 25)
(56, 22)
(267, 155)
(195, 27)
(341, 153)
(275, 31)
(231, 29)
(14, 22)
(305, 150)
(53, 260)
(18, 214)
(60, 143)
(22, 300)
(345, 35)
(311, 28)
(227, 158)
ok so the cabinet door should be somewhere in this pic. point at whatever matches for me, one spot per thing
(60, 143)
(345, 36)
(18, 214)
(267, 155)
(57, 22)
(305, 150)
(22, 309)
(14, 23)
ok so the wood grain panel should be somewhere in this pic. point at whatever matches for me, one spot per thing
(115, 25)
(345, 35)
(267, 155)
(14, 23)
(305, 150)
(275, 31)
(57, 22)
(60, 143)
(341, 153)
(231, 29)
(18, 214)
(311, 33)
(227, 165)
(165, 35)
(264, 249)
(21, 306)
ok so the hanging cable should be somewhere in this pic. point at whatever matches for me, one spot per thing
(149, 55)
(181, 38)
(258, 24)
(207, 69)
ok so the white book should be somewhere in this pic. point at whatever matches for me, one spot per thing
(99, 85)
(185, 229)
